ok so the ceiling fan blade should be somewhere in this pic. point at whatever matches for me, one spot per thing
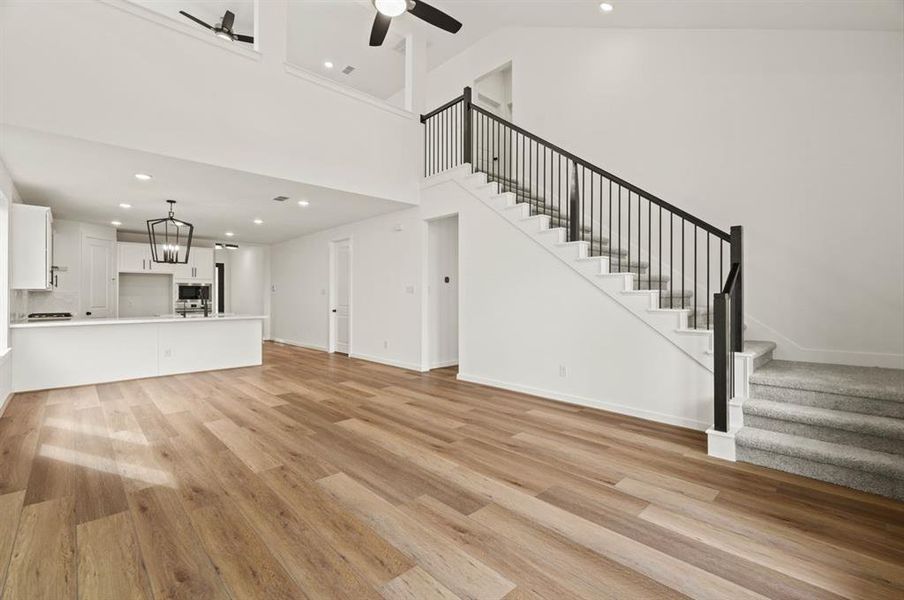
(195, 19)
(435, 16)
(379, 30)
(228, 20)
(244, 38)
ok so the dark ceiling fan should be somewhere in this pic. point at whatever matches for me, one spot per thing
(224, 29)
(387, 9)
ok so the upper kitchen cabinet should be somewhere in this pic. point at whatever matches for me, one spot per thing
(135, 257)
(31, 247)
(199, 266)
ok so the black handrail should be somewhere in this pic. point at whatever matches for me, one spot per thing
(436, 111)
(609, 176)
(596, 207)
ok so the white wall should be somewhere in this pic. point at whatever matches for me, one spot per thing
(796, 135)
(511, 288)
(143, 295)
(247, 281)
(198, 98)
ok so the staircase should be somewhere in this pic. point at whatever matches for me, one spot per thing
(834, 423)
(684, 278)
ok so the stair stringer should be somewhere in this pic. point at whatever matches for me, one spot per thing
(643, 304)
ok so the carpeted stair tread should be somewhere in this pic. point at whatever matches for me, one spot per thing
(841, 455)
(822, 417)
(864, 382)
(758, 348)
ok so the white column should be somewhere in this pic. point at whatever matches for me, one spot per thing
(271, 19)
(415, 73)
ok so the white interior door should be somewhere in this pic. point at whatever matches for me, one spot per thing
(342, 295)
(442, 293)
(98, 278)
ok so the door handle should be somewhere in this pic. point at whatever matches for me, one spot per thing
(334, 310)
(143, 267)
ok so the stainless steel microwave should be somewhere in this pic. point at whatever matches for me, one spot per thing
(194, 292)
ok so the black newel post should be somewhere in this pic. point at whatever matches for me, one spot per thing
(466, 128)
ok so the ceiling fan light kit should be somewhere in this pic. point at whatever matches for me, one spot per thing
(387, 9)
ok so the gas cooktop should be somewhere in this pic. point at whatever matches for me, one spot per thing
(50, 316)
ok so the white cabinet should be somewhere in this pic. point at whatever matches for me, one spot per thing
(134, 257)
(198, 268)
(31, 247)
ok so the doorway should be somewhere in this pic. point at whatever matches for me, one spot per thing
(221, 288)
(493, 93)
(442, 292)
(340, 296)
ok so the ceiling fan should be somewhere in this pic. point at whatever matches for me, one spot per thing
(387, 9)
(224, 29)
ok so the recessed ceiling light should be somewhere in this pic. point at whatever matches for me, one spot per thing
(391, 8)
(229, 234)
(258, 221)
(115, 223)
(143, 176)
(606, 7)
(303, 203)
(327, 64)
(124, 205)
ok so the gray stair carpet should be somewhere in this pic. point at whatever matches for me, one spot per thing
(866, 390)
(883, 434)
(761, 351)
(835, 423)
(877, 472)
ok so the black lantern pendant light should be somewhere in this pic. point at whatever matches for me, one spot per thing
(170, 238)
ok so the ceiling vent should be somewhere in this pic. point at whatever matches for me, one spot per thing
(281, 198)
(348, 70)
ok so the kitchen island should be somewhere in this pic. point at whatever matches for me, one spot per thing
(53, 354)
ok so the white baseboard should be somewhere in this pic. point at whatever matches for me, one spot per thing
(615, 407)
(788, 349)
(299, 344)
(442, 364)
(389, 361)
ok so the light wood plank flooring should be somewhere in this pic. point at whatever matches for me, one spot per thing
(319, 476)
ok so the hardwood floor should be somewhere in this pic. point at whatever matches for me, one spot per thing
(320, 476)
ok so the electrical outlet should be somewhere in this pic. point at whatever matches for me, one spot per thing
(562, 372)
(409, 289)
(385, 344)
(167, 353)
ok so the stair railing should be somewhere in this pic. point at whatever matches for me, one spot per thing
(635, 230)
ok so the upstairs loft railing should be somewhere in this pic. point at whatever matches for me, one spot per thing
(665, 247)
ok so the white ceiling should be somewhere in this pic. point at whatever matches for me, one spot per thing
(86, 181)
(338, 30)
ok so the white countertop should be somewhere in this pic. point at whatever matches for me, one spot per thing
(132, 320)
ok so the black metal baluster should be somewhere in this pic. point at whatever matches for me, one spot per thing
(619, 228)
(671, 259)
(630, 269)
(707, 280)
(694, 289)
(610, 226)
(650, 246)
(592, 200)
(683, 305)
(660, 255)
